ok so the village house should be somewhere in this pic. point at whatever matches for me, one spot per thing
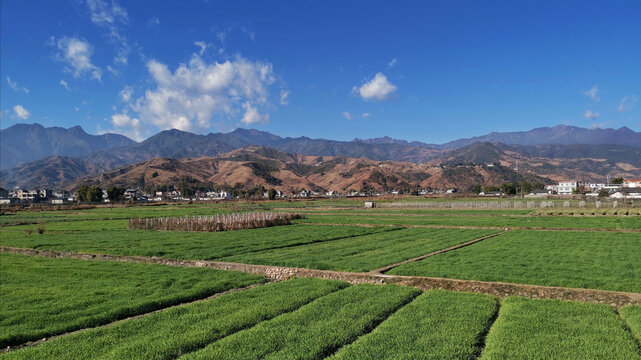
(568, 187)
(632, 183)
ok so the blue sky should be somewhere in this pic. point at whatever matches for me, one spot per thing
(431, 71)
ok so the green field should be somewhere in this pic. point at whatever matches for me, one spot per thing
(312, 318)
(168, 334)
(363, 253)
(80, 237)
(315, 330)
(632, 316)
(502, 221)
(580, 259)
(552, 329)
(436, 325)
(43, 297)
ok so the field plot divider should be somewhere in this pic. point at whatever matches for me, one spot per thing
(38, 342)
(627, 328)
(500, 289)
(422, 257)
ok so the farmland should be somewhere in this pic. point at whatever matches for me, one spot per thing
(94, 308)
(572, 259)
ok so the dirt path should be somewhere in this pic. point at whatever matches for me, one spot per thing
(499, 289)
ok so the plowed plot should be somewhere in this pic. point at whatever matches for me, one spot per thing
(552, 329)
(43, 297)
(436, 325)
(595, 260)
(363, 253)
(168, 334)
(173, 244)
(315, 330)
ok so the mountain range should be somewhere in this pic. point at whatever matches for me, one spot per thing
(33, 155)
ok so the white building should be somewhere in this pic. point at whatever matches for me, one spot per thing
(568, 187)
(632, 183)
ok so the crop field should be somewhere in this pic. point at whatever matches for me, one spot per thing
(580, 259)
(363, 253)
(43, 297)
(174, 244)
(58, 308)
(552, 329)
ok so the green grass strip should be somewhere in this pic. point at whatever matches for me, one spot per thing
(43, 297)
(170, 333)
(578, 259)
(363, 253)
(315, 330)
(436, 325)
(174, 244)
(632, 316)
(553, 329)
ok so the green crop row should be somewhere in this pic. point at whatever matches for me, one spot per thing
(43, 297)
(579, 259)
(174, 244)
(363, 253)
(549, 222)
(436, 325)
(552, 329)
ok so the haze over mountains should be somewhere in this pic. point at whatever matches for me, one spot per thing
(57, 157)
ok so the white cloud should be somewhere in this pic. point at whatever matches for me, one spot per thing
(366, 115)
(376, 89)
(111, 16)
(190, 97)
(347, 115)
(627, 103)
(252, 116)
(131, 127)
(593, 94)
(284, 97)
(76, 53)
(154, 21)
(203, 46)
(589, 114)
(14, 86)
(21, 112)
(77, 109)
(125, 93)
(64, 84)
(392, 63)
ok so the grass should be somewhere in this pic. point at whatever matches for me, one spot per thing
(436, 325)
(316, 330)
(632, 316)
(43, 297)
(553, 329)
(170, 333)
(594, 260)
(80, 237)
(363, 253)
(550, 222)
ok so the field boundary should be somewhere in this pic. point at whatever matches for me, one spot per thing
(499, 289)
(422, 257)
(628, 328)
(38, 342)
(533, 228)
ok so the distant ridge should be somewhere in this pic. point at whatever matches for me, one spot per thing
(23, 143)
(560, 134)
(588, 153)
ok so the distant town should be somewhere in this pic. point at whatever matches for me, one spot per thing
(618, 188)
